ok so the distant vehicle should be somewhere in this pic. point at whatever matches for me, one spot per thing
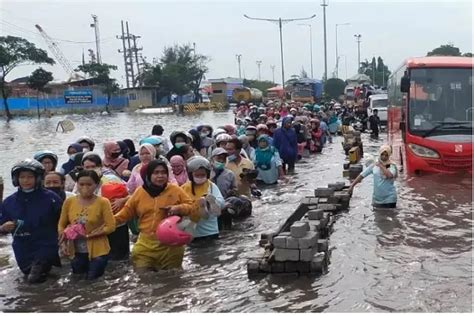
(205, 98)
(276, 93)
(430, 114)
(349, 93)
(379, 102)
(247, 95)
(306, 90)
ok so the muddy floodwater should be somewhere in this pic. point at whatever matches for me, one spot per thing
(417, 258)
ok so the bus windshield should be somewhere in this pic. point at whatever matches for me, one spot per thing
(441, 99)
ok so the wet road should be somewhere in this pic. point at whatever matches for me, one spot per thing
(415, 259)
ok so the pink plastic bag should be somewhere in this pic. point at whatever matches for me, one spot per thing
(74, 231)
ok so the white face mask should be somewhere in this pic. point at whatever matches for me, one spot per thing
(200, 180)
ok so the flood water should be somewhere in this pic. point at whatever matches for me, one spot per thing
(417, 258)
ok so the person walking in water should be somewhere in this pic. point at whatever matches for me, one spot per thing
(385, 173)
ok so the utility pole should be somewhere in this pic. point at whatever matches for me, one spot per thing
(280, 22)
(239, 57)
(95, 25)
(310, 46)
(374, 64)
(358, 36)
(130, 55)
(135, 51)
(273, 72)
(194, 49)
(259, 62)
(324, 5)
(337, 56)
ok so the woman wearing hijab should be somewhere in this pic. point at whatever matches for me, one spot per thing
(112, 158)
(72, 150)
(385, 173)
(267, 161)
(285, 140)
(179, 169)
(132, 155)
(152, 203)
(146, 153)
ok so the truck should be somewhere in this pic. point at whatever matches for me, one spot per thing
(247, 95)
(306, 90)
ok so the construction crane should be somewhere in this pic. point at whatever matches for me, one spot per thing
(54, 48)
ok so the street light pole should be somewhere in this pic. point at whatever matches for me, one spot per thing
(324, 5)
(239, 56)
(358, 36)
(280, 22)
(337, 56)
(259, 62)
(310, 46)
(273, 72)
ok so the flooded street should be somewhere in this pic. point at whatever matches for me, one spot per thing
(417, 258)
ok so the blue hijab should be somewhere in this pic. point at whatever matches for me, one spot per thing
(263, 157)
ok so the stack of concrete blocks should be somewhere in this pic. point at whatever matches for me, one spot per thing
(304, 247)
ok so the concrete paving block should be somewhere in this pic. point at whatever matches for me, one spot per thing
(286, 234)
(327, 207)
(317, 223)
(308, 254)
(308, 241)
(323, 245)
(304, 267)
(309, 200)
(292, 243)
(345, 173)
(278, 267)
(323, 200)
(264, 266)
(279, 241)
(317, 263)
(282, 255)
(342, 195)
(338, 186)
(252, 267)
(291, 266)
(299, 229)
(323, 192)
(346, 165)
(334, 199)
(312, 207)
(315, 214)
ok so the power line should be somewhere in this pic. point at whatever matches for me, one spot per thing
(22, 29)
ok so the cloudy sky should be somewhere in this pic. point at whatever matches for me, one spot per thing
(391, 29)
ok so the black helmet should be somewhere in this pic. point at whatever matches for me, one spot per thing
(40, 155)
(88, 140)
(28, 165)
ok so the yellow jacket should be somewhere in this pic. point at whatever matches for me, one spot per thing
(98, 214)
(149, 210)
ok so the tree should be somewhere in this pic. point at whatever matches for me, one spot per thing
(38, 81)
(101, 75)
(180, 71)
(376, 70)
(467, 55)
(15, 51)
(445, 50)
(260, 85)
(334, 87)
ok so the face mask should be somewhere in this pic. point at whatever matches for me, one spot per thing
(179, 145)
(200, 180)
(114, 155)
(232, 157)
(71, 156)
(85, 150)
(219, 165)
(28, 190)
(204, 134)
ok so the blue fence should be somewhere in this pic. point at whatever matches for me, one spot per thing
(27, 104)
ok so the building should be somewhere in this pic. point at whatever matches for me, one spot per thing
(222, 88)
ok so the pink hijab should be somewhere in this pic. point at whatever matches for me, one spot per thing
(120, 164)
(179, 169)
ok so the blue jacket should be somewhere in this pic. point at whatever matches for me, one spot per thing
(37, 237)
(286, 142)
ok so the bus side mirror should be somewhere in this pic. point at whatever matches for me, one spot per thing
(405, 84)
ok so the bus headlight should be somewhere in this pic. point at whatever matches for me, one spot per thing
(423, 151)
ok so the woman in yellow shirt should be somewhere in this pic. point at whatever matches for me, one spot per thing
(151, 203)
(85, 222)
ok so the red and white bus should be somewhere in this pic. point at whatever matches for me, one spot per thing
(430, 114)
